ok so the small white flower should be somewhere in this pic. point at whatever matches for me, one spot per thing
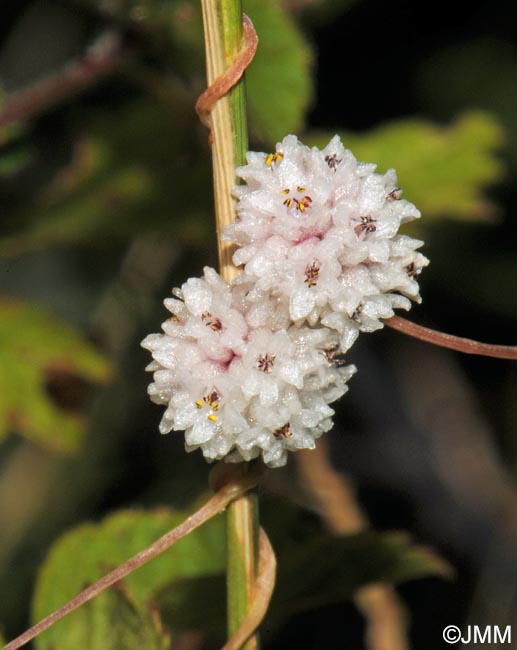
(241, 382)
(321, 230)
(249, 370)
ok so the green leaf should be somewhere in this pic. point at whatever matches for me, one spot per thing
(443, 170)
(135, 168)
(103, 546)
(330, 569)
(139, 164)
(480, 73)
(278, 81)
(314, 569)
(37, 351)
(116, 620)
(318, 571)
(195, 604)
(84, 215)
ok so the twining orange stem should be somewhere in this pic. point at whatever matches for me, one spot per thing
(468, 346)
(229, 50)
(214, 506)
(262, 591)
(230, 77)
(231, 491)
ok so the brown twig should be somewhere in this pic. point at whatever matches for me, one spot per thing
(385, 616)
(101, 60)
(468, 346)
(335, 500)
(261, 595)
(230, 77)
(214, 506)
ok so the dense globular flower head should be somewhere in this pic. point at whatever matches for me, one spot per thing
(238, 377)
(320, 230)
(249, 369)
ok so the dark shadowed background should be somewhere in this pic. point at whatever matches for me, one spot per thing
(106, 204)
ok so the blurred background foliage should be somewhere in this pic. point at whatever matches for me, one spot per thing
(106, 204)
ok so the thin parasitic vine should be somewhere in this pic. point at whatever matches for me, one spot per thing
(221, 499)
(225, 82)
(458, 343)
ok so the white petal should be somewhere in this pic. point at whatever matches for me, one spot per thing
(201, 432)
(301, 303)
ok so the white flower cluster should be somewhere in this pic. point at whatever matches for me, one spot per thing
(250, 369)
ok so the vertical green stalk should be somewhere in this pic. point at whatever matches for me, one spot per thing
(222, 21)
(242, 543)
(232, 35)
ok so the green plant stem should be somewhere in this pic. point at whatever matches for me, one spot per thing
(232, 30)
(229, 491)
(223, 32)
(242, 543)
